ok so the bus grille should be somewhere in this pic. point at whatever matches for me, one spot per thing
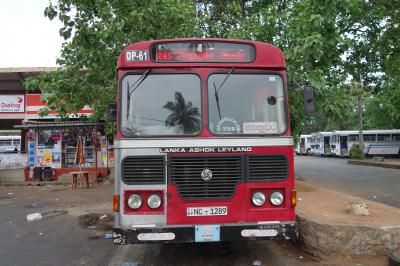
(267, 168)
(185, 173)
(143, 170)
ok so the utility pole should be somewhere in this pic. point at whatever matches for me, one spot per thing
(360, 118)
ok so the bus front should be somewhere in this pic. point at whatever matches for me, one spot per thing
(203, 150)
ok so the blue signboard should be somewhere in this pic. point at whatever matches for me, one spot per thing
(31, 145)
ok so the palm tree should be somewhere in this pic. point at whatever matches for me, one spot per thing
(183, 114)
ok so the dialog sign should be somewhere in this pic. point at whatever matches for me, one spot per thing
(12, 103)
(216, 52)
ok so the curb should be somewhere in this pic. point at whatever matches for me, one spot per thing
(351, 240)
(44, 183)
(375, 164)
(33, 183)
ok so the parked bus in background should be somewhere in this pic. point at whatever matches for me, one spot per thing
(321, 143)
(304, 145)
(203, 150)
(385, 142)
(10, 144)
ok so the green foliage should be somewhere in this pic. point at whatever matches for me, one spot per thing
(383, 110)
(355, 152)
(110, 129)
(95, 33)
(344, 48)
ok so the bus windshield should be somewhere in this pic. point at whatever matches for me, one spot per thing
(160, 105)
(249, 104)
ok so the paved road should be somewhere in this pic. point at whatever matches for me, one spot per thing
(54, 240)
(372, 183)
(59, 239)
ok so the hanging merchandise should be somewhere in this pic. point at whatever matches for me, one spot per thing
(79, 152)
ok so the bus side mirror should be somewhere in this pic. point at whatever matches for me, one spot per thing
(309, 100)
(112, 111)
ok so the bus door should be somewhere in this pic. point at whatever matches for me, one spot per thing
(302, 146)
(343, 145)
(327, 146)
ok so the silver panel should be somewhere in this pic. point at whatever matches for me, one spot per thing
(201, 142)
(129, 219)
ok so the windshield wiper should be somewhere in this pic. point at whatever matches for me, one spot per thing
(135, 85)
(216, 90)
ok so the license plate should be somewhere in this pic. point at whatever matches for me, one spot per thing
(207, 233)
(207, 211)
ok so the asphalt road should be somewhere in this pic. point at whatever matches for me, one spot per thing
(372, 183)
(60, 239)
(54, 240)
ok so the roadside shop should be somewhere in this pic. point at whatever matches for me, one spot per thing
(57, 148)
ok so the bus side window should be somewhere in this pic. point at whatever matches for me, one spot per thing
(369, 137)
(353, 137)
(383, 137)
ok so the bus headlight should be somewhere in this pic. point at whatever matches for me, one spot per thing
(154, 201)
(276, 198)
(258, 198)
(135, 201)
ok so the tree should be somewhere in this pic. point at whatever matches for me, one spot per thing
(95, 32)
(331, 45)
(310, 33)
(334, 45)
(183, 114)
(383, 109)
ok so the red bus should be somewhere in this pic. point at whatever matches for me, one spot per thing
(203, 150)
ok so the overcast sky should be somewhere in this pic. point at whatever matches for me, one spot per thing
(27, 38)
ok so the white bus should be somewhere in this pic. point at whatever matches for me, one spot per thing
(385, 142)
(304, 145)
(10, 143)
(321, 143)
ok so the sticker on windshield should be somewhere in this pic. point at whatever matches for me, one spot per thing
(260, 128)
(228, 125)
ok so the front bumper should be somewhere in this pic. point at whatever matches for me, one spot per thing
(206, 233)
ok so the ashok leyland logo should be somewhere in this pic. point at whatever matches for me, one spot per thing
(206, 174)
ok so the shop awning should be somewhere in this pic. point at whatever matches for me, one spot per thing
(52, 124)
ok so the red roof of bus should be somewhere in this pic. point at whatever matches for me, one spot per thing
(267, 55)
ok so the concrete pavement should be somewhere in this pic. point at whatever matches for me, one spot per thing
(327, 224)
(387, 163)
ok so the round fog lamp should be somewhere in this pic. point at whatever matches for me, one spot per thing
(154, 201)
(135, 201)
(276, 198)
(258, 198)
